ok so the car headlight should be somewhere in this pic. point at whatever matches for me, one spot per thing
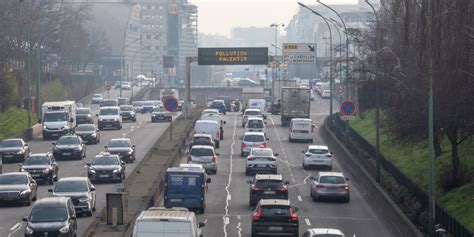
(64, 230)
(115, 119)
(44, 127)
(117, 170)
(130, 152)
(28, 230)
(22, 170)
(83, 199)
(93, 135)
(24, 192)
(47, 170)
(65, 127)
(92, 171)
(101, 120)
(20, 152)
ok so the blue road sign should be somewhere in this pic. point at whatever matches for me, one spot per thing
(347, 108)
(171, 104)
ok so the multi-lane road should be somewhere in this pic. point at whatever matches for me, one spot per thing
(143, 133)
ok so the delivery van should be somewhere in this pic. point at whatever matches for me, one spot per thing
(301, 129)
(209, 127)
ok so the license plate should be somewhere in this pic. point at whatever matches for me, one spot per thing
(8, 156)
(66, 154)
(108, 125)
(275, 228)
(176, 200)
(35, 175)
(54, 135)
(261, 166)
(269, 192)
(104, 176)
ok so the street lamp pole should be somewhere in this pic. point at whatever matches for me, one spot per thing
(330, 53)
(276, 25)
(333, 22)
(122, 59)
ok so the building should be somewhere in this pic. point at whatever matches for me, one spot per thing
(253, 36)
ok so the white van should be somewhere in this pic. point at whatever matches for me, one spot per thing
(167, 222)
(209, 127)
(301, 129)
(258, 104)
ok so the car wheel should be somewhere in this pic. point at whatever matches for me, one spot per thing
(289, 139)
(304, 166)
(315, 198)
(28, 202)
(218, 144)
(242, 154)
(56, 177)
(51, 180)
(89, 213)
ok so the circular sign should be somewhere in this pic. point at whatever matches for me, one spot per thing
(340, 89)
(170, 104)
(108, 87)
(347, 108)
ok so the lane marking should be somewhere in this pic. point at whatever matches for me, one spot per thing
(299, 198)
(227, 187)
(17, 225)
(239, 228)
(229, 197)
(15, 229)
(306, 220)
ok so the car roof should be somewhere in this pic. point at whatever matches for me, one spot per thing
(275, 202)
(255, 118)
(73, 179)
(318, 147)
(339, 174)
(51, 201)
(202, 135)
(39, 154)
(13, 139)
(269, 176)
(319, 231)
(206, 121)
(186, 169)
(14, 173)
(120, 139)
(202, 147)
(160, 213)
(106, 154)
(69, 135)
(252, 110)
(110, 107)
(254, 133)
(301, 119)
(95, 95)
(110, 99)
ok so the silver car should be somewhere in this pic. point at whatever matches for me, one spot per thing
(260, 161)
(323, 232)
(251, 113)
(317, 156)
(80, 190)
(251, 140)
(329, 185)
(205, 156)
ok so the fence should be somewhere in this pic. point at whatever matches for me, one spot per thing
(448, 222)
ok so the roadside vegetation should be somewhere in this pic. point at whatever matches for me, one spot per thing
(13, 121)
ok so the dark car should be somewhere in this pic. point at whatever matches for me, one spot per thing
(123, 147)
(51, 216)
(122, 101)
(84, 115)
(148, 106)
(17, 187)
(275, 217)
(42, 167)
(267, 186)
(69, 146)
(219, 105)
(160, 114)
(202, 139)
(106, 167)
(128, 113)
(88, 133)
(14, 150)
(80, 190)
(109, 102)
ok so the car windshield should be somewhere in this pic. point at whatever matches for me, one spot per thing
(318, 151)
(126, 108)
(67, 141)
(255, 123)
(13, 179)
(137, 103)
(105, 161)
(55, 117)
(258, 152)
(110, 103)
(120, 143)
(12, 143)
(332, 180)
(268, 183)
(83, 111)
(201, 152)
(85, 127)
(68, 186)
(217, 103)
(253, 112)
(254, 138)
(97, 96)
(37, 160)
(48, 214)
(275, 210)
(201, 140)
(109, 111)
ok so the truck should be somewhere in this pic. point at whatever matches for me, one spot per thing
(57, 118)
(276, 93)
(251, 93)
(165, 93)
(295, 103)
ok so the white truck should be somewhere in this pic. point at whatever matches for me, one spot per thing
(295, 103)
(58, 118)
(251, 93)
(276, 93)
(165, 93)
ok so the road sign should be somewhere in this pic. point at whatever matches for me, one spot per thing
(108, 87)
(340, 89)
(347, 108)
(299, 53)
(233, 56)
(170, 104)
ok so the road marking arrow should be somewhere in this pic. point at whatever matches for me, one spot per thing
(311, 48)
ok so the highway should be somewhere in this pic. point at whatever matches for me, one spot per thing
(228, 212)
(143, 133)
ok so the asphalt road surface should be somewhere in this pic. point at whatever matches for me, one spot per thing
(228, 213)
(143, 134)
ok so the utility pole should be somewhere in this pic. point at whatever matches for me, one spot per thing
(187, 87)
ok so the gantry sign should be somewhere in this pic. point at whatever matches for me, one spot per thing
(233, 56)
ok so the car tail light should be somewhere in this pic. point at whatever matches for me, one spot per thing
(320, 186)
(256, 216)
(308, 155)
(194, 132)
(293, 215)
(203, 187)
(190, 158)
(218, 134)
(264, 145)
(290, 128)
(214, 158)
(345, 187)
(255, 189)
(243, 145)
(282, 189)
(312, 128)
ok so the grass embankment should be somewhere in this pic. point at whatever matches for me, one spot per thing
(14, 121)
(412, 160)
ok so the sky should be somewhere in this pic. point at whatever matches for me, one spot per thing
(219, 16)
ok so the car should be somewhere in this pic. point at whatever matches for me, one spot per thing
(123, 147)
(69, 146)
(247, 83)
(126, 85)
(209, 127)
(88, 133)
(117, 85)
(255, 124)
(326, 94)
(80, 190)
(79, 105)
(311, 95)
(122, 101)
(205, 156)
(260, 161)
(84, 115)
(251, 113)
(202, 139)
(267, 186)
(138, 106)
(17, 187)
(160, 114)
(106, 167)
(219, 105)
(260, 104)
(148, 106)
(109, 117)
(323, 232)
(301, 129)
(42, 167)
(14, 150)
(109, 102)
(317, 156)
(250, 140)
(180, 105)
(329, 185)
(51, 216)
(128, 113)
(210, 112)
(96, 99)
(275, 217)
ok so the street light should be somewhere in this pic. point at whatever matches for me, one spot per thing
(276, 25)
(336, 25)
(122, 62)
(330, 53)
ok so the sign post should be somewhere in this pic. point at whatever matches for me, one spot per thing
(299, 53)
(348, 109)
(340, 89)
(171, 105)
(108, 87)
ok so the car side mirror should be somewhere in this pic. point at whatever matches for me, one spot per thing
(39, 120)
(267, 139)
(201, 224)
(225, 122)
(54, 143)
(208, 180)
(50, 190)
(123, 163)
(26, 144)
(92, 189)
(20, 165)
(276, 154)
(313, 125)
(287, 182)
(24, 219)
(133, 146)
(249, 181)
(264, 122)
(303, 152)
(88, 164)
(217, 154)
(97, 130)
(97, 115)
(106, 147)
(312, 178)
(347, 179)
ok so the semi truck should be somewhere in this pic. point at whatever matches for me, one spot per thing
(58, 118)
(251, 93)
(295, 103)
(276, 93)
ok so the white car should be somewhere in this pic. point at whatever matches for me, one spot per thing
(205, 156)
(126, 85)
(323, 232)
(317, 156)
(326, 94)
(97, 98)
(301, 129)
(256, 125)
(251, 140)
(251, 113)
(210, 112)
(258, 104)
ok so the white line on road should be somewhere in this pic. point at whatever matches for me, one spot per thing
(229, 197)
(227, 203)
(239, 227)
(293, 180)
(299, 198)
(14, 229)
(306, 220)
(17, 225)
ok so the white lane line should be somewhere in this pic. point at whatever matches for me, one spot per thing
(293, 180)
(227, 187)
(299, 198)
(17, 225)
(306, 220)
(15, 229)
(239, 227)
